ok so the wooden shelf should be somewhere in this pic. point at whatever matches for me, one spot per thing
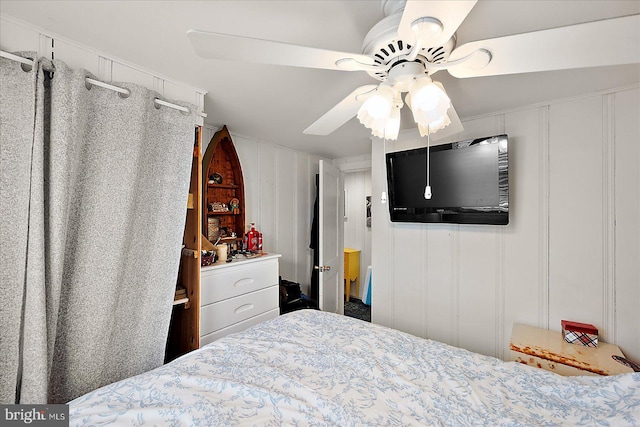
(232, 186)
(221, 159)
(230, 239)
(184, 329)
(222, 213)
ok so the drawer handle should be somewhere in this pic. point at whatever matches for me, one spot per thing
(244, 307)
(243, 282)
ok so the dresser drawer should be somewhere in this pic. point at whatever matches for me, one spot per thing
(218, 285)
(233, 310)
(240, 326)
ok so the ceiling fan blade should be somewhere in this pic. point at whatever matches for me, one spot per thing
(449, 13)
(341, 113)
(593, 44)
(237, 48)
(454, 127)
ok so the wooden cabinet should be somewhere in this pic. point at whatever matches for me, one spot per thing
(223, 190)
(549, 351)
(237, 295)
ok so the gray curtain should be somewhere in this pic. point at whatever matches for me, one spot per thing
(17, 121)
(94, 268)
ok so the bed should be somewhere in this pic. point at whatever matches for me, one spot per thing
(314, 368)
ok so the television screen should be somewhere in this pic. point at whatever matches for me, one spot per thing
(469, 183)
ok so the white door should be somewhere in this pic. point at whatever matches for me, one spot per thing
(331, 241)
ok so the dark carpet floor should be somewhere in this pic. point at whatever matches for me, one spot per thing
(356, 308)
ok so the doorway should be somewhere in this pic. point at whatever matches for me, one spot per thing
(357, 236)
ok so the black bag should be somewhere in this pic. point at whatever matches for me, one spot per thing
(292, 298)
(289, 292)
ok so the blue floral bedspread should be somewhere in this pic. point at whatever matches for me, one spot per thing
(310, 368)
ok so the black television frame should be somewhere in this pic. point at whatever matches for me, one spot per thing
(488, 215)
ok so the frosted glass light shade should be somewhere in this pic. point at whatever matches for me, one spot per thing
(375, 111)
(392, 126)
(429, 104)
(434, 126)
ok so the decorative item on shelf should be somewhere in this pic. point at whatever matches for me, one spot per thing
(252, 239)
(579, 333)
(234, 206)
(207, 258)
(215, 178)
(222, 251)
(218, 207)
(213, 228)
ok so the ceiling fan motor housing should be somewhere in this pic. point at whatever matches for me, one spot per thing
(384, 46)
(402, 75)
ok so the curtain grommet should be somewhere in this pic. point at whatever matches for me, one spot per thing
(27, 67)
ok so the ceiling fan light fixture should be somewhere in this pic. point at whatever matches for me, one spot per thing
(392, 126)
(375, 111)
(434, 126)
(429, 103)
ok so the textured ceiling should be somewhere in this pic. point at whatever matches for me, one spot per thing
(274, 103)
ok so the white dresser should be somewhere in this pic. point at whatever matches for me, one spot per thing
(236, 295)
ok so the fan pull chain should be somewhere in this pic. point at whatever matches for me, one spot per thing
(427, 189)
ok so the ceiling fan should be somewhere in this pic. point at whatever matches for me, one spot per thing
(415, 40)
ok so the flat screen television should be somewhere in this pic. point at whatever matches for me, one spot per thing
(469, 183)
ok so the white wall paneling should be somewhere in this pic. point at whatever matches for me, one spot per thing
(571, 248)
(408, 277)
(441, 296)
(576, 216)
(265, 217)
(626, 195)
(279, 194)
(20, 36)
(285, 210)
(381, 260)
(524, 270)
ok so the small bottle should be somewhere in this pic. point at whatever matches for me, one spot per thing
(260, 243)
(252, 238)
